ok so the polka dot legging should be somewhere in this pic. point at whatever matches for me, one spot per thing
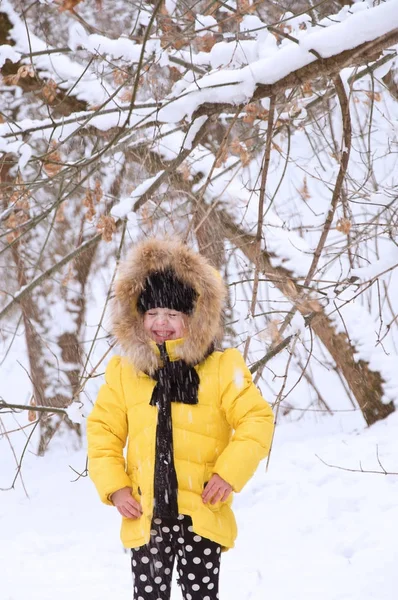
(198, 562)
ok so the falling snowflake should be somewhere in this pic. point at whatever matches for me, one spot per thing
(238, 378)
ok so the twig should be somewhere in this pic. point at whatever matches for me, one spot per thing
(173, 166)
(141, 59)
(345, 156)
(6, 434)
(271, 353)
(84, 473)
(278, 403)
(260, 219)
(35, 282)
(44, 409)
(19, 467)
(361, 470)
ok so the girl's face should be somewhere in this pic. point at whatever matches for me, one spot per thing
(163, 324)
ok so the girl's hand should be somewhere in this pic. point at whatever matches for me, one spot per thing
(126, 504)
(216, 489)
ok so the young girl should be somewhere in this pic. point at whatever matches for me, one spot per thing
(196, 424)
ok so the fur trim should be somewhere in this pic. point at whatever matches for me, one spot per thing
(127, 323)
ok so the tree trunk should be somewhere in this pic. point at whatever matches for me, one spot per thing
(366, 385)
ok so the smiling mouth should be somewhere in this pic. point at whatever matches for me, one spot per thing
(163, 333)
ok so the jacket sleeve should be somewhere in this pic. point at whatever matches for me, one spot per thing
(249, 415)
(107, 435)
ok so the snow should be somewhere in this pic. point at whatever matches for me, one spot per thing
(66, 72)
(239, 378)
(170, 6)
(61, 129)
(359, 28)
(379, 268)
(100, 44)
(193, 130)
(306, 530)
(125, 206)
(25, 152)
(359, 324)
(8, 53)
(288, 249)
(205, 24)
(75, 412)
(233, 54)
(222, 85)
(237, 86)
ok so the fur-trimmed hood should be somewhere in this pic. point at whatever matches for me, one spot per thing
(127, 323)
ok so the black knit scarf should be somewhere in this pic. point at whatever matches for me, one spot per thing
(176, 381)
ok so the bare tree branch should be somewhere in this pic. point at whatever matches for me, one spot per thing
(360, 470)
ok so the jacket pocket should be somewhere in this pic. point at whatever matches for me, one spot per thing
(132, 472)
(208, 472)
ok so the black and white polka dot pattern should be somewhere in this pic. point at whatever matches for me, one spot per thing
(198, 562)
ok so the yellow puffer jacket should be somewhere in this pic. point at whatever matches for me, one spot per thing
(228, 432)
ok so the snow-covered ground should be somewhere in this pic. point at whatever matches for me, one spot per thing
(306, 531)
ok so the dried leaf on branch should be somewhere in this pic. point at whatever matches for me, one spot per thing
(175, 74)
(49, 91)
(240, 150)
(52, 163)
(147, 217)
(32, 415)
(60, 215)
(171, 33)
(306, 89)
(284, 28)
(344, 225)
(204, 43)
(21, 195)
(88, 202)
(20, 202)
(252, 112)
(119, 76)
(98, 193)
(374, 96)
(91, 198)
(106, 226)
(125, 96)
(245, 7)
(23, 72)
(304, 191)
(67, 5)
(276, 147)
(185, 172)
